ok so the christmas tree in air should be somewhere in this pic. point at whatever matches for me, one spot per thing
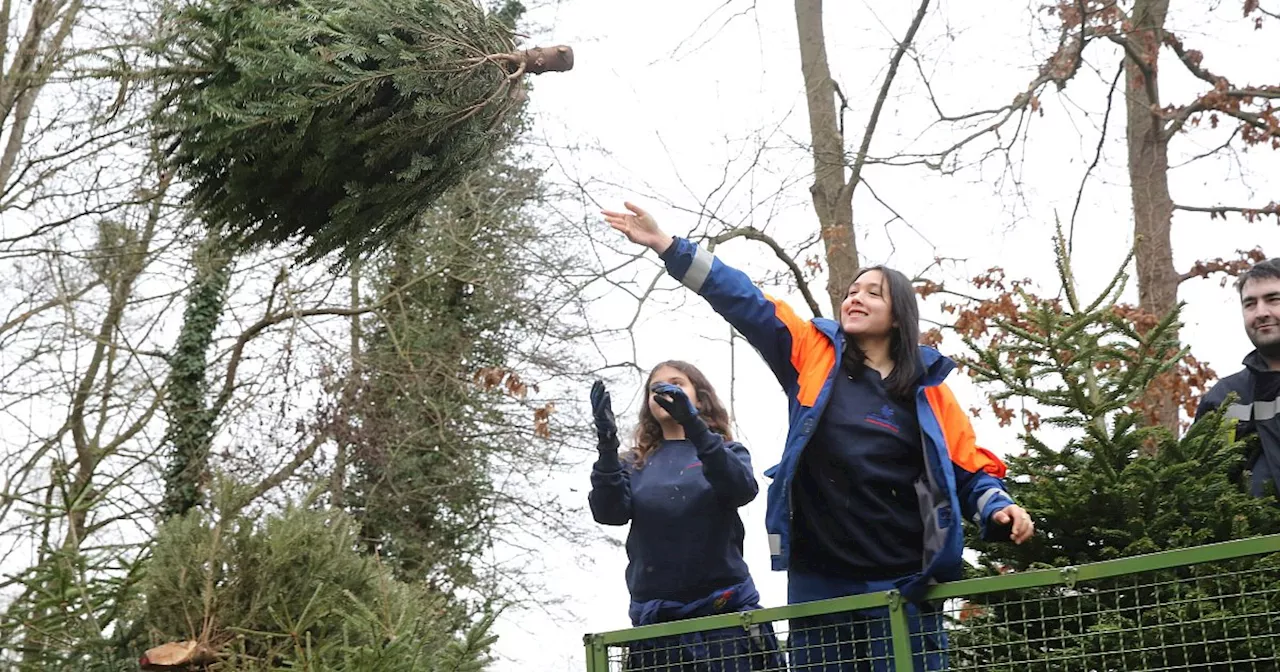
(336, 123)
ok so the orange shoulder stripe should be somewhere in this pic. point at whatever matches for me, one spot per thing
(812, 354)
(958, 432)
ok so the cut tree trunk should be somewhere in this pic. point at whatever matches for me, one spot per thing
(543, 59)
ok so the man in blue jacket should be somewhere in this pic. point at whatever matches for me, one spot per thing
(1257, 386)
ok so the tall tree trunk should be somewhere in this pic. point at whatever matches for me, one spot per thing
(338, 480)
(1149, 181)
(832, 194)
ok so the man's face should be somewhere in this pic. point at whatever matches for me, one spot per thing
(1260, 304)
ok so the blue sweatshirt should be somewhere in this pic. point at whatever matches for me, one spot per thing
(686, 537)
(856, 512)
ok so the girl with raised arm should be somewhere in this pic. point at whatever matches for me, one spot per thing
(880, 465)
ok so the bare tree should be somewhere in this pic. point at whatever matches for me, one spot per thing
(835, 178)
(1128, 38)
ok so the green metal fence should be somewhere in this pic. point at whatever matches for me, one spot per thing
(1214, 607)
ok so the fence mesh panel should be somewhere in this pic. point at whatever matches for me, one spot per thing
(1178, 611)
(1221, 616)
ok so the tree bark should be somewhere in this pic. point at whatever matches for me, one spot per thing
(832, 194)
(1149, 181)
(338, 480)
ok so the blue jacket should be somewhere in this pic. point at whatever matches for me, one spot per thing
(1255, 410)
(804, 355)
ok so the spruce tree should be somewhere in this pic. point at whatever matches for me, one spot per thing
(1117, 487)
(440, 409)
(335, 123)
(292, 590)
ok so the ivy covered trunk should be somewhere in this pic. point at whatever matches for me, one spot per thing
(190, 415)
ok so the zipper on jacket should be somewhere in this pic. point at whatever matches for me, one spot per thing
(808, 436)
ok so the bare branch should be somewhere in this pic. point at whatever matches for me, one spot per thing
(284, 472)
(1251, 214)
(1225, 144)
(752, 233)
(56, 302)
(1097, 156)
(675, 51)
(860, 159)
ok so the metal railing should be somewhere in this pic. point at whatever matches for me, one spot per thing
(1213, 607)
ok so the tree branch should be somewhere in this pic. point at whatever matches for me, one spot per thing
(861, 159)
(284, 472)
(752, 233)
(1251, 214)
(1222, 88)
(1135, 56)
(51, 303)
(1231, 267)
(237, 352)
(1097, 157)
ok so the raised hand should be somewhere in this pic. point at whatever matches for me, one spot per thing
(602, 412)
(639, 227)
(675, 402)
(1023, 526)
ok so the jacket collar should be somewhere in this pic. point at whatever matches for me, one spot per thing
(1255, 363)
(937, 366)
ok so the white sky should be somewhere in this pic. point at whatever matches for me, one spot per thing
(656, 106)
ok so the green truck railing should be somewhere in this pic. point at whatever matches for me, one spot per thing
(1213, 607)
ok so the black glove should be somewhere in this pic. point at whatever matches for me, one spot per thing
(606, 427)
(675, 402)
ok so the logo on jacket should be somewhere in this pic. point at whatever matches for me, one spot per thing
(883, 418)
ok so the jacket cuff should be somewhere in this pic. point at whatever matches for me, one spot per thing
(994, 500)
(670, 253)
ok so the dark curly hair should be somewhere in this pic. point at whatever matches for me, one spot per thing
(648, 436)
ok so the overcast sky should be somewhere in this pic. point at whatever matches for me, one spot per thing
(670, 103)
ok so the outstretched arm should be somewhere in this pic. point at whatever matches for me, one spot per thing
(785, 340)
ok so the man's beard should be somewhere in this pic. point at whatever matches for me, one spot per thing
(1269, 349)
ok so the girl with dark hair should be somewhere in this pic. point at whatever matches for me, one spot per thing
(880, 467)
(680, 488)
